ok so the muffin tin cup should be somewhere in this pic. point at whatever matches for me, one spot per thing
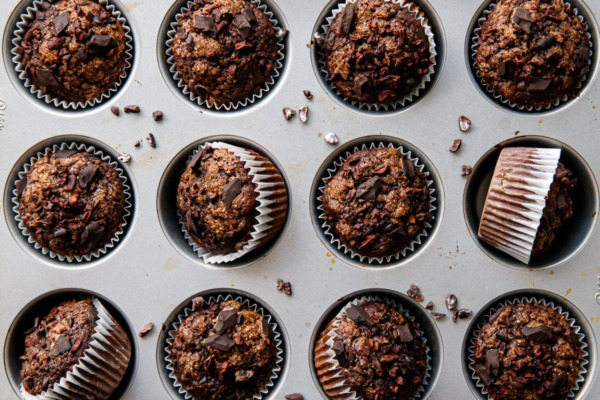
(265, 222)
(419, 15)
(328, 367)
(280, 33)
(520, 300)
(556, 102)
(126, 210)
(21, 30)
(330, 232)
(217, 298)
(106, 359)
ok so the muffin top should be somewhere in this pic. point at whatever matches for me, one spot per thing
(224, 50)
(71, 203)
(377, 202)
(223, 351)
(533, 52)
(376, 51)
(527, 352)
(381, 352)
(74, 50)
(55, 343)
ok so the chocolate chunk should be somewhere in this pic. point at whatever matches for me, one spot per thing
(197, 303)
(539, 85)
(455, 146)
(115, 110)
(502, 336)
(267, 331)
(195, 161)
(496, 314)
(329, 40)
(225, 320)
(21, 185)
(46, 78)
(104, 42)
(205, 25)
(466, 170)
(338, 348)
(60, 23)
(347, 18)
(60, 233)
(359, 315)
(157, 115)
(546, 42)
(582, 56)
(484, 373)
(360, 84)
(55, 43)
(146, 329)
(86, 175)
(405, 334)
(506, 68)
(493, 360)
(64, 153)
(557, 384)
(522, 18)
(294, 396)
(248, 12)
(539, 333)
(308, 94)
(219, 342)
(368, 189)
(242, 23)
(408, 168)
(131, 109)
(230, 191)
(561, 202)
(92, 235)
(62, 345)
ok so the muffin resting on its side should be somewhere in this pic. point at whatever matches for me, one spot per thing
(225, 50)
(527, 352)
(72, 203)
(376, 51)
(533, 52)
(74, 50)
(377, 202)
(223, 351)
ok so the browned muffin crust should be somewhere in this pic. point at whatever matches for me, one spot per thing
(74, 49)
(376, 51)
(527, 352)
(377, 202)
(223, 351)
(56, 343)
(533, 52)
(72, 203)
(559, 207)
(224, 50)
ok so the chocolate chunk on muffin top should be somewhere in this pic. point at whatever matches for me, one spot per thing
(377, 202)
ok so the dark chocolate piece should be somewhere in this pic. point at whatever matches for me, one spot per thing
(21, 185)
(539, 85)
(62, 345)
(225, 320)
(540, 333)
(61, 22)
(219, 342)
(405, 334)
(86, 175)
(115, 110)
(359, 315)
(64, 153)
(368, 189)
(205, 24)
(46, 78)
(506, 68)
(230, 191)
(347, 18)
(522, 18)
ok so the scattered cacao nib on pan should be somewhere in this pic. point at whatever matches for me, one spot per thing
(151, 140)
(294, 396)
(308, 94)
(463, 313)
(124, 157)
(464, 123)
(281, 33)
(303, 114)
(115, 110)
(466, 170)
(137, 143)
(131, 109)
(455, 146)
(413, 291)
(437, 315)
(280, 284)
(429, 306)
(61, 22)
(285, 286)
(157, 115)
(225, 320)
(146, 329)
(454, 316)
(331, 138)
(219, 342)
(230, 191)
(288, 113)
(359, 315)
(451, 302)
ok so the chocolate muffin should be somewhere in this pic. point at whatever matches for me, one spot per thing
(217, 200)
(527, 352)
(377, 202)
(379, 354)
(223, 351)
(71, 202)
(74, 50)
(224, 50)
(533, 52)
(376, 51)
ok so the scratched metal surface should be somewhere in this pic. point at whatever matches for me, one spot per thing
(147, 277)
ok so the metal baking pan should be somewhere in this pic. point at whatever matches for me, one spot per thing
(153, 272)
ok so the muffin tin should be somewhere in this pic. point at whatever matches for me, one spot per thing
(153, 271)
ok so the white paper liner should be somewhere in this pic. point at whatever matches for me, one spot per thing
(420, 16)
(81, 147)
(328, 230)
(511, 215)
(263, 220)
(23, 26)
(245, 302)
(102, 359)
(336, 378)
(275, 73)
(499, 97)
(531, 300)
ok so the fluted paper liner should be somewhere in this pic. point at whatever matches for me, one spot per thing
(101, 368)
(422, 18)
(516, 199)
(531, 300)
(21, 29)
(328, 368)
(329, 231)
(502, 99)
(271, 210)
(254, 307)
(254, 97)
(83, 148)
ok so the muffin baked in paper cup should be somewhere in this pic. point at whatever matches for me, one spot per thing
(328, 368)
(420, 16)
(21, 29)
(516, 199)
(101, 368)
(330, 232)
(531, 300)
(82, 148)
(269, 211)
(218, 299)
(275, 73)
(499, 97)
